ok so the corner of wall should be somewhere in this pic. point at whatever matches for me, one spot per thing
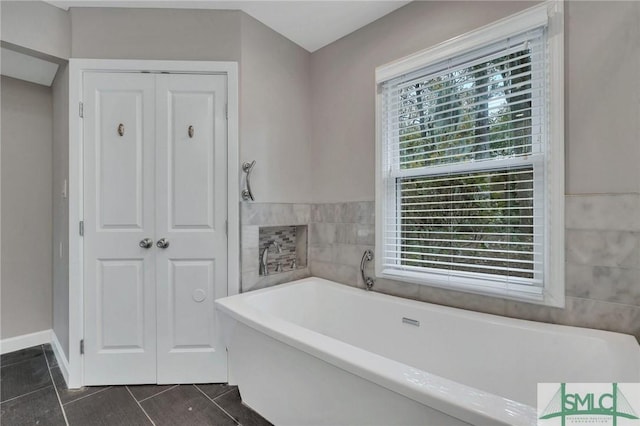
(60, 208)
(275, 116)
(37, 26)
(26, 207)
(61, 356)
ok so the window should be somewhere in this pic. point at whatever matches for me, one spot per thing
(470, 162)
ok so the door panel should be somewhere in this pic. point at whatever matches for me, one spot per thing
(119, 275)
(119, 188)
(191, 187)
(120, 304)
(191, 284)
(191, 158)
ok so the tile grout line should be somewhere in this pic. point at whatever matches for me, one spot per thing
(225, 411)
(155, 394)
(143, 410)
(26, 394)
(216, 404)
(223, 394)
(55, 388)
(87, 396)
(19, 362)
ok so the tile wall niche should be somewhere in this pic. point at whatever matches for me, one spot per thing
(602, 270)
(272, 218)
(292, 241)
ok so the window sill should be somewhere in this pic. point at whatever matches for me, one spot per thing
(538, 296)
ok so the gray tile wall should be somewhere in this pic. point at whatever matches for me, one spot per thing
(602, 255)
(602, 271)
(338, 235)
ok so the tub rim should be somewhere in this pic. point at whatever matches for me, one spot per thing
(452, 398)
(458, 400)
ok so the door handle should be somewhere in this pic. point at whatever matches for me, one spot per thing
(162, 243)
(146, 243)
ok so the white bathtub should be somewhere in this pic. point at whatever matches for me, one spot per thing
(314, 352)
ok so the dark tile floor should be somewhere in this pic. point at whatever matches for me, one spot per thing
(33, 392)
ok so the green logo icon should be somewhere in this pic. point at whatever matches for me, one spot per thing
(613, 404)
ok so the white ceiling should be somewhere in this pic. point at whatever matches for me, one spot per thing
(311, 24)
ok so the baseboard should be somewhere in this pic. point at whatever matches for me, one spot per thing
(63, 363)
(16, 343)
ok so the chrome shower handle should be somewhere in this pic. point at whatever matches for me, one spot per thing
(247, 168)
(366, 257)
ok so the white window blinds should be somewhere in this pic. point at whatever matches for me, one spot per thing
(463, 168)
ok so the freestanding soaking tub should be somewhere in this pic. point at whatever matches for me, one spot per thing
(314, 352)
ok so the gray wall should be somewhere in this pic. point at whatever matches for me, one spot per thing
(36, 26)
(602, 271)
(60, 165)
(275, 119)
(34, 144)
(602, 153)
(308, 120)
(602, 107)
(275, 114)
(26, 234)
(343, 87)
(602, 103)
(275, 130)
(117, 33)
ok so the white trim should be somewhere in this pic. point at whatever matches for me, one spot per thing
(75, 190)
(523, 294)
(551, 13)
(135, 65)
(233, 179)
(477, 166)
(554, 294)
(76, 69)
(58, 351)
(24, 341)
(380, 201)
(515, 24)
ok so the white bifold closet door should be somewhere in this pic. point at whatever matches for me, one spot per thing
(154, 168)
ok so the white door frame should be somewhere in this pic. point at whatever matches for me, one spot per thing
(77, 68)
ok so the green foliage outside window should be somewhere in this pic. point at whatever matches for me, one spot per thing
(480, 221)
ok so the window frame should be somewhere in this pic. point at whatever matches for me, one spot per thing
(551, 14)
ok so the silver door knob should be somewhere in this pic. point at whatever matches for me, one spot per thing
(162, 243)
(146, 243)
